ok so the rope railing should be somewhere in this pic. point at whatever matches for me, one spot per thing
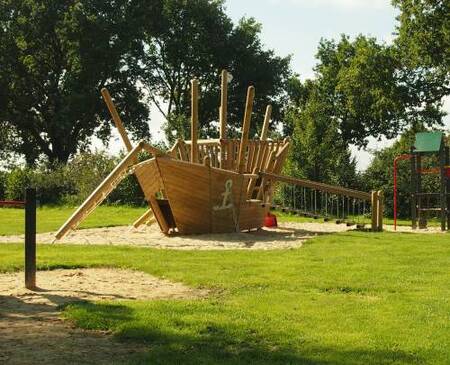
(313, 199)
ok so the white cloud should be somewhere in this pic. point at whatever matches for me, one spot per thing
(343, 4)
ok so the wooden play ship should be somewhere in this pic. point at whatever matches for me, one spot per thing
(198, 186)
(210, 186)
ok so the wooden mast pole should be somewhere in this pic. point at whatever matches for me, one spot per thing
(194, 120)
(265, 128)
(223, 113)
(116, 118)
(246, 128)
(123, 134)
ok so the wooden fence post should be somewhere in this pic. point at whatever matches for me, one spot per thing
(374, 202)
(30, 238)
(380, 211)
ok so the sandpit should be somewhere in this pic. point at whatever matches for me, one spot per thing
(288, 235)
(31, 331)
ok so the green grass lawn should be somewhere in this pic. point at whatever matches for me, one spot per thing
(51, 218)
(349, 298)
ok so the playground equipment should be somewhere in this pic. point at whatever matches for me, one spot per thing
(427, 145)
(212, 185)
(314, 200)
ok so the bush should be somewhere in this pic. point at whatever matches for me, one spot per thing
(3, 177)
(16, 183)
(71, 184)
(85, 172)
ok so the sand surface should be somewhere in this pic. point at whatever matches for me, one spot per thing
(289, 235)
(31, 331)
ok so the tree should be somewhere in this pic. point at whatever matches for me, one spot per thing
(55, 56)
(197, 39)
(423, 46)
(318, 151)
(367, 92)
(424, 38)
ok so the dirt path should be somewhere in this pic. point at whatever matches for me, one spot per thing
(31, 331)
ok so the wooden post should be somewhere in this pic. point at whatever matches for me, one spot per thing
(145, 218)
(207, 161)
(223, 113)
(374, 202)
(265, 127)
(116, 118)
(246, 128)
(30, 238)
(380, 211)
(194, 120)
(421, 215)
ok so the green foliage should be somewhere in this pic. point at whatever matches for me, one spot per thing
(318, 151)
(87, 170)
(424, 39)
(366, 90)
(197, 39)
(55, 56)
(72, 183)
(350, 298)
(16, 183)
(3, 176)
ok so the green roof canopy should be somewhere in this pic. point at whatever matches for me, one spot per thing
(428, 142)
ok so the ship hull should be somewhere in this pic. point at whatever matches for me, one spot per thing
(199, 198)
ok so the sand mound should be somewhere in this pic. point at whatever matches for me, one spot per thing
(57, 287)
(32, 333)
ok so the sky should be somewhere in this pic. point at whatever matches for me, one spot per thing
(295, 27)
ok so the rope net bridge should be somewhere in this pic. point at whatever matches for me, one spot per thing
(318, 200)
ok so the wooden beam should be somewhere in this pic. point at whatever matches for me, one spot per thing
(332, 189)
(194, 120)
(246, 128)
(380, 210)
(206, 142)
(265, 127)
(159, 215)
(148, 216)
(101, 192)
(116, 118)
(153, 150)
(374, 203)
(223, 105)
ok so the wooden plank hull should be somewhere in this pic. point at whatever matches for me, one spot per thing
(202, 199)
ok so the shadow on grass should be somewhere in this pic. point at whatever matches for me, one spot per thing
(32, 333)
(184, 340)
